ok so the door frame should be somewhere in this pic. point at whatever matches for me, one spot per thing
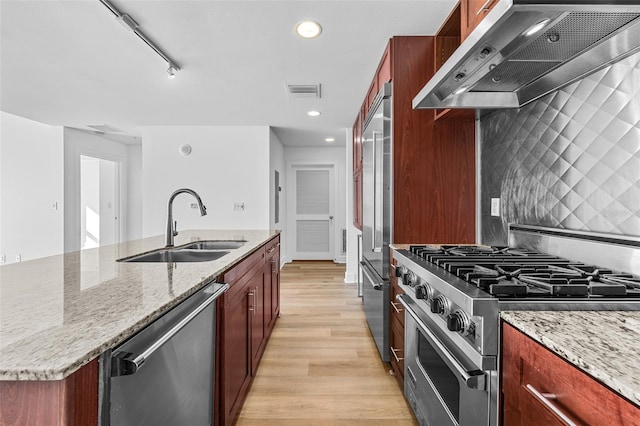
(291, 222)
(72, 200)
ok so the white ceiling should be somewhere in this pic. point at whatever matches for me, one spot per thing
(71, 63)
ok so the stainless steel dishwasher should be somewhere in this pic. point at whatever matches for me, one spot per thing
(164, 375)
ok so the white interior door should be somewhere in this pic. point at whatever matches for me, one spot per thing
(313, 211)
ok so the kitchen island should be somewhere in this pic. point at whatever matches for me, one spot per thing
(60, 313)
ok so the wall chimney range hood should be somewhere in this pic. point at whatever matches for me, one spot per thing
(525, 49)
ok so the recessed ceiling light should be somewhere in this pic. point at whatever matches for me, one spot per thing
(313, 113)
(308, 29)
(330, 140)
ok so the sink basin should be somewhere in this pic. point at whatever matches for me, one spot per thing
(213, 245)
(177, 255)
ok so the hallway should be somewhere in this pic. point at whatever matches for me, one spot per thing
(321, 365)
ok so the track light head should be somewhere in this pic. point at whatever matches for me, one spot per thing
(171, 71)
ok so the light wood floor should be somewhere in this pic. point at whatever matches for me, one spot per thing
(321, 365)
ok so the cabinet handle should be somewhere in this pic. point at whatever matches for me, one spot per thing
(255, 298)
(547, 399)
(395, 308)
(393, 352)
(485, 7)
(252, 306)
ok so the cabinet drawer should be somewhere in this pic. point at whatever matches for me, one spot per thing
(538, 384)
(272, 245)
(240, 276)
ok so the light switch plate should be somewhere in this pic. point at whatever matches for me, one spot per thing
(495, 207)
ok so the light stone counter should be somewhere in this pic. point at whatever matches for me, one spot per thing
(604, 344)
(58, 313)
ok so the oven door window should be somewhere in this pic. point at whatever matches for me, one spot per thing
(442, 378)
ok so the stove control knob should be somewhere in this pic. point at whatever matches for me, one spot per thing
(400, 271)
(459, 322)
(424, 291)
(439, 305)
(410, 279)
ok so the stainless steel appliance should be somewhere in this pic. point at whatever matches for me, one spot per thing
(454, 295)
(525, 49)
(376, 217)
(165, 373)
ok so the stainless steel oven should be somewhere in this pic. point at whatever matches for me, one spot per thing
(454, 294)
(442, 385)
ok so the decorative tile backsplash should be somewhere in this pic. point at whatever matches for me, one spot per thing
(569, 160)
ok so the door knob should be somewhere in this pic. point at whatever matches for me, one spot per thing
(330, 217)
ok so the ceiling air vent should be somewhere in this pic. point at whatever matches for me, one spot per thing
(299, 91)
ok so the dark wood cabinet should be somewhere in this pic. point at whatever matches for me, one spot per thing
(537, 384)
(396, 324)
(473, 12)
(246, 316)
(433, 162)
(72, 401)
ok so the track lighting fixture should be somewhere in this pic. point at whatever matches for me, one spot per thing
(129, 23)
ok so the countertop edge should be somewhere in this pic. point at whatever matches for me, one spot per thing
(613, 383)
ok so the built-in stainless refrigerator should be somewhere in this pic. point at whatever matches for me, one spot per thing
(376, 217)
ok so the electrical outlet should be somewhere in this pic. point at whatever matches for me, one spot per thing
(495, 207)
(18, 257)
(3, 258)
(238, 206)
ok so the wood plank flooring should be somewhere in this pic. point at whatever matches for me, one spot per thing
(321, 365)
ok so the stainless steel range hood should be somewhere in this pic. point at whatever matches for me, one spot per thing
(506, 63)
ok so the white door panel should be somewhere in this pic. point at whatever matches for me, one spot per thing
(313, 212)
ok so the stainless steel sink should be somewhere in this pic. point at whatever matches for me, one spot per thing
(176, 255)
(213, 245)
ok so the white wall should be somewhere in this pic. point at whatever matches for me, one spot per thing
(227, 164)
(277, 162)
(31, 170)
(351, 274)
(326, 156)
(133, 224)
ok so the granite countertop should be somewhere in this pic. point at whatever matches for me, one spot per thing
(58, 313)
(604, 344)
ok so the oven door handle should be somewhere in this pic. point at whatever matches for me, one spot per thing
(473, 379)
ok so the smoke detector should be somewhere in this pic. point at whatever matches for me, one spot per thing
(304, 91)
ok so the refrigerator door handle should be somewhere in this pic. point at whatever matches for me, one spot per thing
(374, 283)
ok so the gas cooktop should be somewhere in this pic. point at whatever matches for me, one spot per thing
(505, 272)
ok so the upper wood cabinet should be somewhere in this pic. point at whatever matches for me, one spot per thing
(539, 387)
(474, 11)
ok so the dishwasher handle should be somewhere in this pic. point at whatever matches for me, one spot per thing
(125, 363)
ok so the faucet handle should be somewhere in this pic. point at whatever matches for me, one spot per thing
(175, 228)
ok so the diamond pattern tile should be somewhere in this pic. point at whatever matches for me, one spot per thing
(569, 160)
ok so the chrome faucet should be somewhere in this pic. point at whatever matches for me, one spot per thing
(171, 225)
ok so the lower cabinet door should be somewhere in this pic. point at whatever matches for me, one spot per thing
(236, 362)
(256, 316)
